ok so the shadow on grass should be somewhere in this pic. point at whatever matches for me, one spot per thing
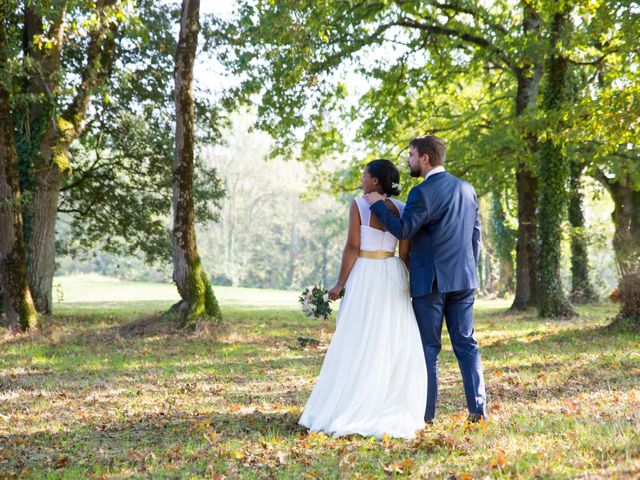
(120, 444)
(583, 358)
(105, 326)
(149, 388)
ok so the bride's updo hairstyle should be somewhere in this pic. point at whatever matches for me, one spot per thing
(387, 174)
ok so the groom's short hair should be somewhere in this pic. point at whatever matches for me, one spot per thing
(432, 146)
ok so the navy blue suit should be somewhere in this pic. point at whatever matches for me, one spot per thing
(441, 219)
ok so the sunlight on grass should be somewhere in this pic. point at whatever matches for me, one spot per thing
(92, 292)
(82, 399)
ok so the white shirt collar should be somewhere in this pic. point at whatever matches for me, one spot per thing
(437, 169)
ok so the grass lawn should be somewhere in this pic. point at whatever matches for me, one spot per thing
(91, 293)
(88, 396)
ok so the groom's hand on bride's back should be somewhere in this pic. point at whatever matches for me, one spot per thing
(373, 197)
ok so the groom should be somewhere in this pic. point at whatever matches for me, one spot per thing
(441, 219)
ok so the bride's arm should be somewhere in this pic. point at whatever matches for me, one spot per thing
(404, 251)
(350, 253)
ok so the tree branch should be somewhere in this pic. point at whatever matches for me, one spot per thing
(47, 59)
(81, 212)
(470, 11)
(599, 175)
(593, 62)
(87, 174)
(100, 58)
(51, 58)
(465, 36)
(352, 49)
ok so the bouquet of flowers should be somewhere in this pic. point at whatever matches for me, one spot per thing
(315, 302)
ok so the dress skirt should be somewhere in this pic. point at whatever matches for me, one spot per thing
(373, 380)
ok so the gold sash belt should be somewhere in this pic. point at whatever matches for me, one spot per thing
(375, 254)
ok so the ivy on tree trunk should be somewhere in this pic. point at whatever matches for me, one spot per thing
(581, 288)
(553, 175)
(44, 149)
(194, 286)
(17, 302)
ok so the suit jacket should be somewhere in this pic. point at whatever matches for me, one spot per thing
(441, 219)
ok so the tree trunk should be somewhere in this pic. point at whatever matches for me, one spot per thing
(626, 244)
(527, 240)
(324, 266)
(293, 256)
(49, 141)
(505, 244)
(529, 78)
(41, 178)
(191, 280)
(31, 118)
(581, 289)
(51, 168)
(17, 302)
(553, 175)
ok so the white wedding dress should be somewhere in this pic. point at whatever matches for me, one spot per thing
(374, 379)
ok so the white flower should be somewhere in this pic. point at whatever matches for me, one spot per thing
(396, 186)
(313, 300)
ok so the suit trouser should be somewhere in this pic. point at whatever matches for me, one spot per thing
(457, 309)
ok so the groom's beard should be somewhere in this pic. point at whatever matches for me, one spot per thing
(414, 172)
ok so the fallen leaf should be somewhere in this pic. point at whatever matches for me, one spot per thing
(61, 462)
(237, 454)
(211, 436)
(499, 461)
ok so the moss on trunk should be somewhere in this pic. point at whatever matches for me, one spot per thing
(198, 300)
(47, 130)
(553, 176)
(18, 304)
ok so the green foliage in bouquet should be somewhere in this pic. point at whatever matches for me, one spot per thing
(315, 302)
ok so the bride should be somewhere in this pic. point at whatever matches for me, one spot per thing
(374, 379)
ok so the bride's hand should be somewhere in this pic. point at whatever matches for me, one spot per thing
(334, 293)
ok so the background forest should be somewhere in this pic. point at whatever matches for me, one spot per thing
(272, 229)
(276, 229)
(539, 109)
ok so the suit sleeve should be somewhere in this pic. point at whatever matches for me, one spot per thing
(475, 239)
(415, 216)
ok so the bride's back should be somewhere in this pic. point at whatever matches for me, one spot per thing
(373, 235)
(375, 223)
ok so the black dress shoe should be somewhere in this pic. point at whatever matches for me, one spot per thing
(429, 421)
(476, 417)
